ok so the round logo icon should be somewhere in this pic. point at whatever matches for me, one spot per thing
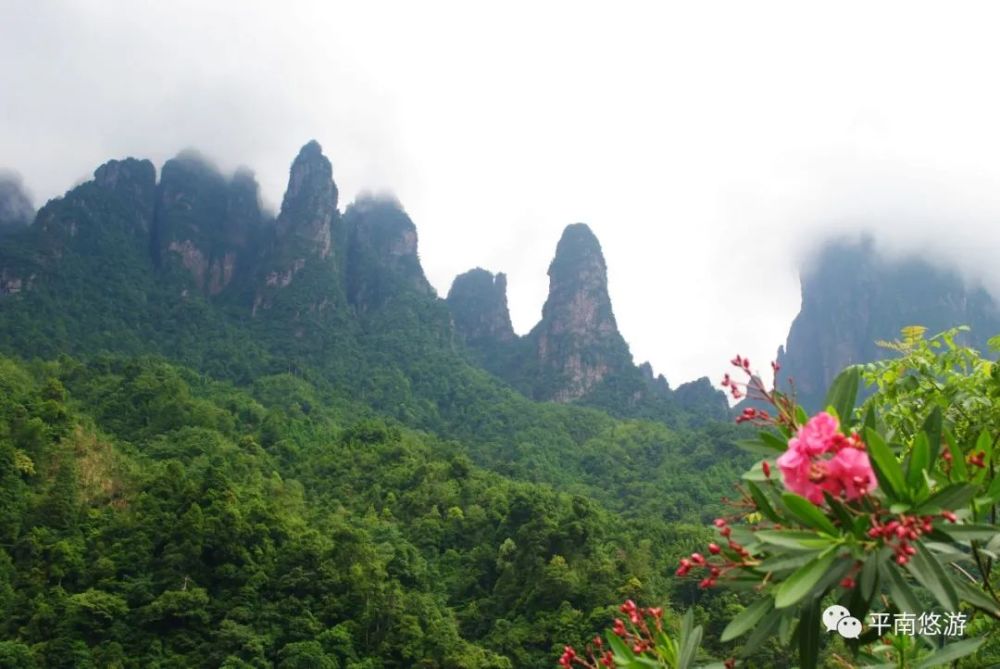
(833, 615)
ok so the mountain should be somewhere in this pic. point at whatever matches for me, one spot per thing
(232, 438)
(852, 297)
(575, 353)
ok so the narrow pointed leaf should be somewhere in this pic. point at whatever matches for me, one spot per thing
(801, 583)
(808, 514)
(746, 619)
(920, 458)
(887, 469)
(929, 573)
(809, 626)
(842, 395)
(947, 654)
(949, 498)
(932, 428)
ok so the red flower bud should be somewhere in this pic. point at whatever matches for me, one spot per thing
(714, 549)
(847, 583)
(767, 469)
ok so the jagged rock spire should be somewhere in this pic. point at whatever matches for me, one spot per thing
(577, 341)
(309, 207)
(382, 252)
(478, 303)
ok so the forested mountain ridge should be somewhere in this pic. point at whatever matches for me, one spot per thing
(194, 252)
(152, 517)
(287, 335)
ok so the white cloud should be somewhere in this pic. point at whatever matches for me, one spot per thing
(708, 145)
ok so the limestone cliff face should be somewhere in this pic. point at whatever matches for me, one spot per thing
(309, 208)
(115, 208)
(478, 303)
(205, 223)
(852, 297)
(577, 343)
(302, 240)
(382, 259)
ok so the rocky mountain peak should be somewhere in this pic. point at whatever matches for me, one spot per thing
(478, 303)
(205, 222)
(309, 207)
(577, 340)
(578, 284)
(853, 297)
(133, 181)
(382, 251)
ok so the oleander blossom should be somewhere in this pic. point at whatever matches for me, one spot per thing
(819, 458)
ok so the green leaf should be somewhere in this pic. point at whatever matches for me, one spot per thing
(869, 576)
(747, 619)
(969, 532)
(920, 459)
(798, 539)
(773, 442)
(622, 652)
(950, 653)
(756, 447)
(932, 428)
(949, 498)
(768, 626)
(994, 492)
(801, 583)
(783, 562)
(809, 625)
(887, 469)
(929, 573)
(690, 640)
(842, 395)
(808, 514)
(984, 444)
(870, 420)
(957, 457)
(972, 594)
(899, 590)
(763, 505)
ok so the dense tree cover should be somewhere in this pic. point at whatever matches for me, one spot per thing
(153, 517)
(309, 472)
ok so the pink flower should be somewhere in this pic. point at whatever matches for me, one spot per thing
(852, 472)
(815, 436)
(806, 470)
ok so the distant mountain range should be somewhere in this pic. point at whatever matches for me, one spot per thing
(178, 265)
(188, 265)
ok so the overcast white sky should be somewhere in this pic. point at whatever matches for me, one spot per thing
(709, 145)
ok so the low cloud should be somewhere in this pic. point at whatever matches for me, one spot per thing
(16, 208)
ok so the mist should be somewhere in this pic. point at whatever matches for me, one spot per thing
(16, 209)
(711, 149)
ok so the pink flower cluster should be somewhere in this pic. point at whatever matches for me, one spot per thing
(819, 458)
